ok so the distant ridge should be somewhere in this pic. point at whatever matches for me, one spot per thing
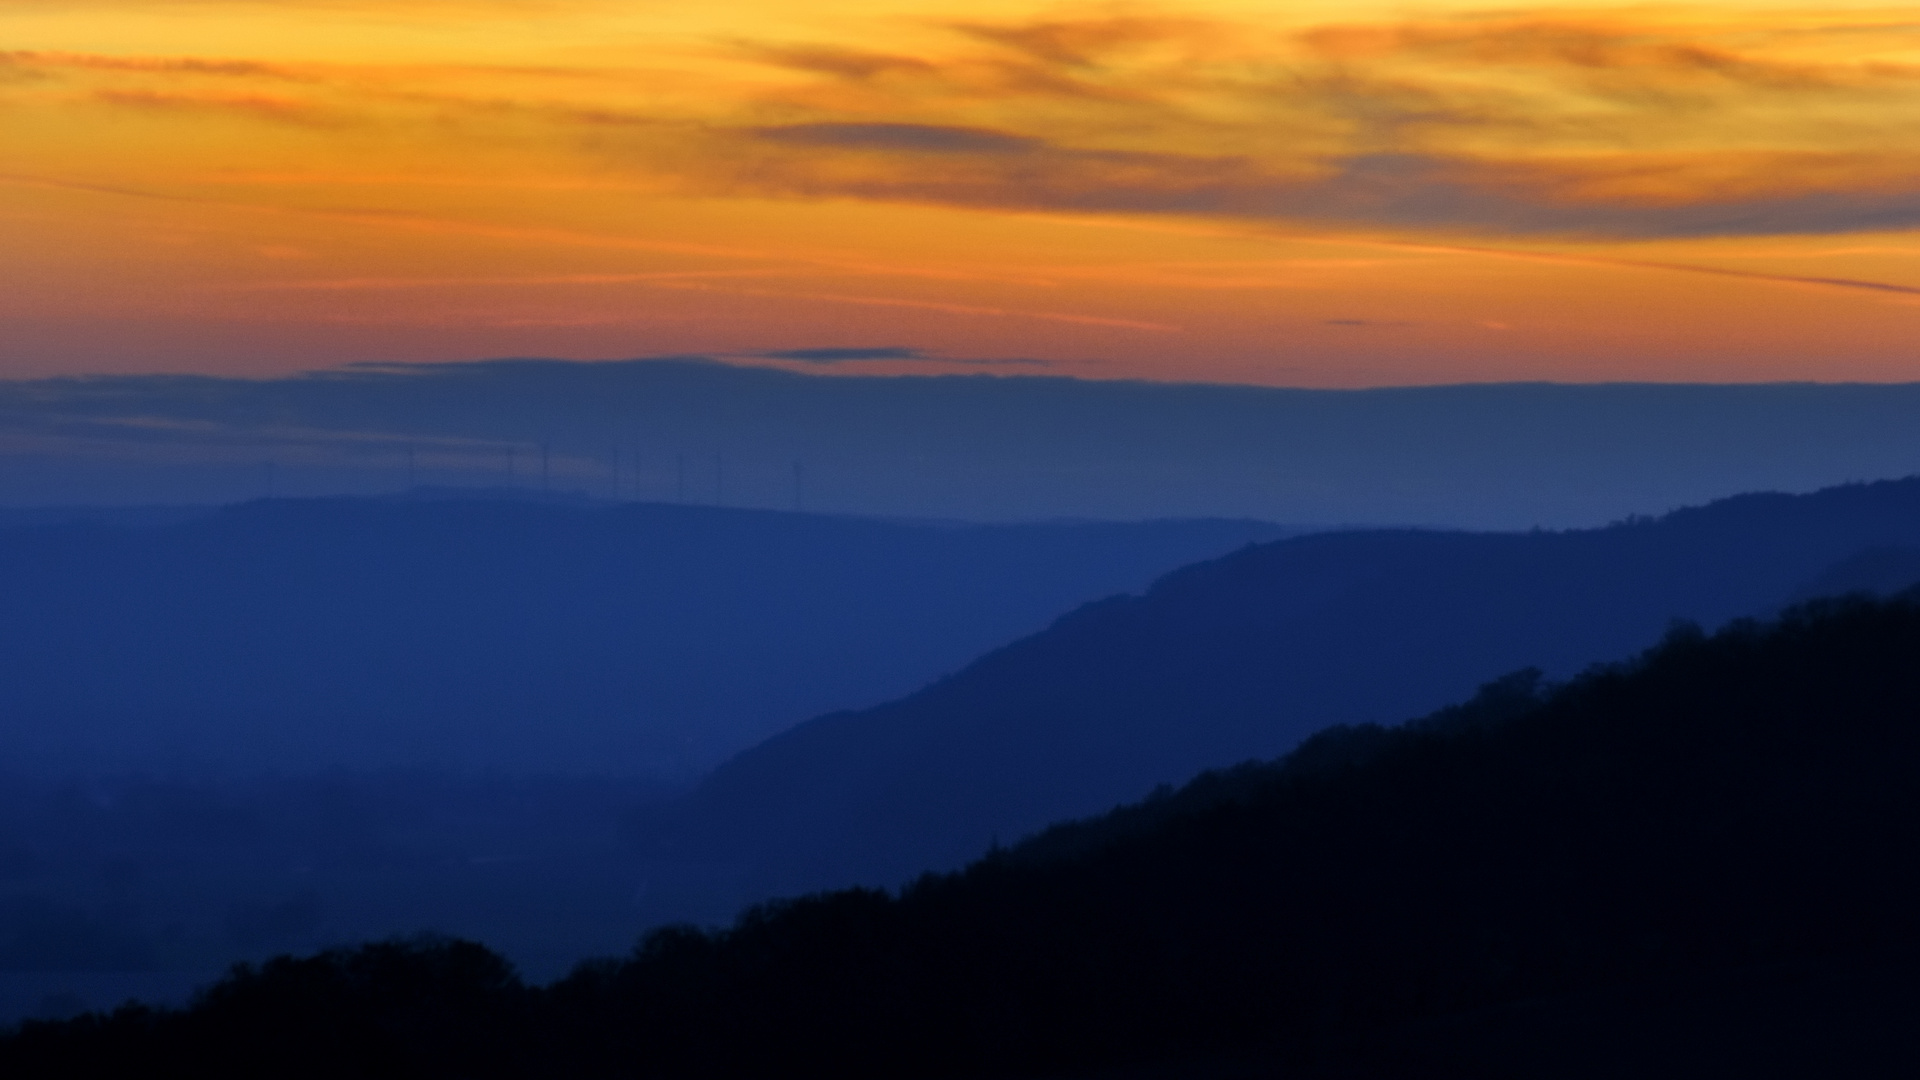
(981, 448)
(1878, 571)
(133, 517)
(526, 634)
(1241, 657)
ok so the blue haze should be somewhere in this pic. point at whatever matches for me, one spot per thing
(541, 653)
(509, 635)
(986, 448)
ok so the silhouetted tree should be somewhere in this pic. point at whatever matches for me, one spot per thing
(1720, 804)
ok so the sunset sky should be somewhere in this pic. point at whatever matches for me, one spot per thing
(1307, 194)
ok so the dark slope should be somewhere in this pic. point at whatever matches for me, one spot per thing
(1239, 658)
(1880, 571)
(1706, 861)
(511, 635)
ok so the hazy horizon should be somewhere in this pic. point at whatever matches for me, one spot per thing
(949, 447)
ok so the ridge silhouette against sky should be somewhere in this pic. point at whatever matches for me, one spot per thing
(955, 447)
(1241, 657)
(1312, 194)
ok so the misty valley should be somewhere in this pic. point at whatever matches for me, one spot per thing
(900, 798)
(919, 540)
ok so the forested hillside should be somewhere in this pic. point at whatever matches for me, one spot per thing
(1243, 656)
(1709, 854)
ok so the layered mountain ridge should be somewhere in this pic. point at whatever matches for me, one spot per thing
(1241, 657)
(519, 635)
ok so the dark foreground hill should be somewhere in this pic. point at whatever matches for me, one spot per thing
(1704, 862)
(1242, 657)
(510, 635)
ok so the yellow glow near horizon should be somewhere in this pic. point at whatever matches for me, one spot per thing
(1302, 194)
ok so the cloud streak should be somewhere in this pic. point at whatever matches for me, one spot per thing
(1807, 280)
(278, 109)
(1415, 191)
(844, 355)
(1605, 124)
(1130, 188)
(911, 138)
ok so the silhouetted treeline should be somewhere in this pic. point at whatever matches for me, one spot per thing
(153, 873)
(1724, 804)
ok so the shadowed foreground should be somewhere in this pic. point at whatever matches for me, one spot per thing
(1706, 859)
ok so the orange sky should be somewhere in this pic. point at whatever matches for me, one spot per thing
(1304, 194)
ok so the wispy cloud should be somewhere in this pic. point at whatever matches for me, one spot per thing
(1540, 197)
(864, 357)
(912, 138)
(505, 281)
(1089, 42)
(1609, 123)
(277, 108)
(1612, 54)
(843, 355)
(1800, 280)
(152, 65)
(846, 63)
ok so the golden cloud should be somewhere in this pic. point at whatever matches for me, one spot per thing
(1611, 123)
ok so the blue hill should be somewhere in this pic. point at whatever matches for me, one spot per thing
(518, 635)
(1241, 657)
